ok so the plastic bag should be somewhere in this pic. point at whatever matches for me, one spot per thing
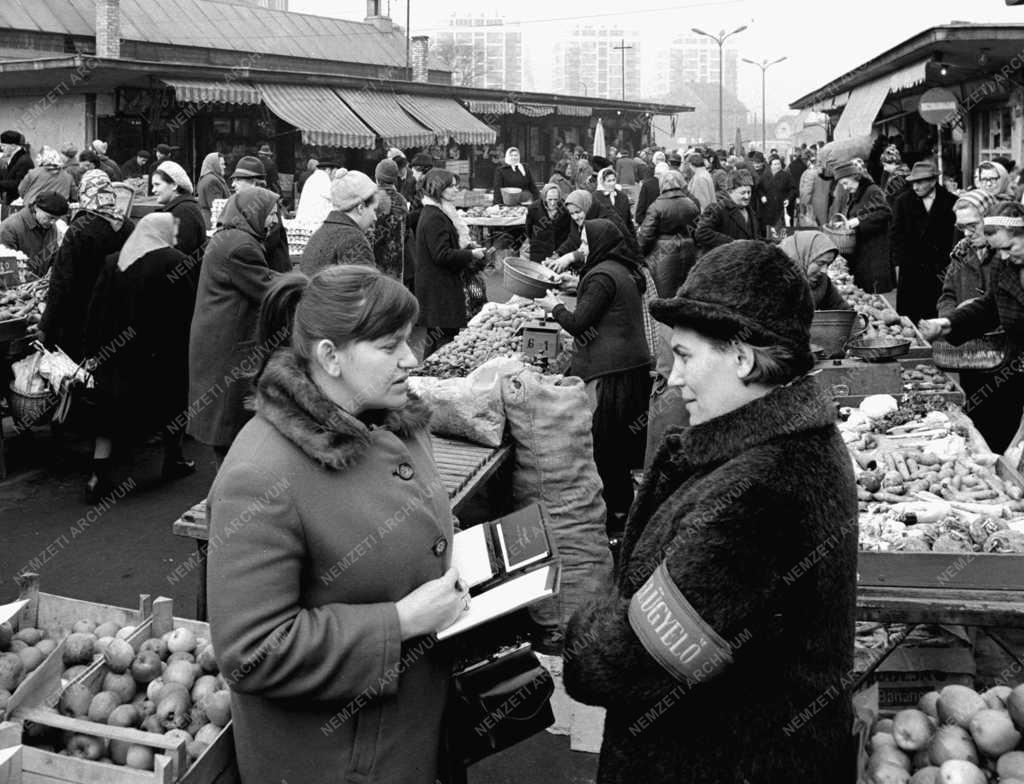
(27, 378)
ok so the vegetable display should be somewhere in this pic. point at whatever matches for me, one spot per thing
(25, 301)
(926, 378)
(883, 321)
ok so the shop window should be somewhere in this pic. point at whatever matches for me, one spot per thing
(995, 133)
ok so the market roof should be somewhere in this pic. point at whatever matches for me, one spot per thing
(223, 26)
(958, 46)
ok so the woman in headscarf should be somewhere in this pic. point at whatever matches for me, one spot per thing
(612, 357)
(812, 252)
(560, 178)
(223, 354)
(388, 233)
(665, 236)
(993, 178)
(48, 175)
(864, 204)
(894, 173)
(173, 190)
(137, 333)
(547, 223)
(513, 174)
(98, 229)
(211, 185)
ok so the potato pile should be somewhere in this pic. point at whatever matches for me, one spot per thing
(926, 378)
(955, 736)
(496, 211)
(494, 332)
(883, 321)
(25, 301)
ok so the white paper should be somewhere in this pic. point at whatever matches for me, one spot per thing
(8, 611)
(470, 556)
(503, 599)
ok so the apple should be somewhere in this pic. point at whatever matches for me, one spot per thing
(85, 746)
(118, 750)
(102, 705)
(122, 684)
(29, 635)
(47, 646)
(124, 716)
(181, 639)
(208, 733)
(153, 688)
(156, 645)
(146, 666)
(218, 707)
(118, 655)
(180, 672)
(152, 724)
(207, 659)
(6, 635)
(181, 656)
(139, 757)
(84, 627)
(204, 685)
(75, 700)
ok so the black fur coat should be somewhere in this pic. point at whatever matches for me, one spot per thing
(755, 515)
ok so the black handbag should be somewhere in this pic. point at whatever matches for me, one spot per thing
(498, 702)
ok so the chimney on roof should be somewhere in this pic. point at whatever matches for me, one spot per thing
(108, 28)
(420, 58)
(374, 16)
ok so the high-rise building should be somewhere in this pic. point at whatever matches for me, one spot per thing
(692, 58)
(588, 62)
(482, 51)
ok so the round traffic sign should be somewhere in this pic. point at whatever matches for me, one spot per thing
(938, 106)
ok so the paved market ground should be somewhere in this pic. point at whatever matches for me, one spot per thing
(115, 554)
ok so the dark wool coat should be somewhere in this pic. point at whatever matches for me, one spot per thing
(21, 231)
(650, 190)
(143, 384)
(440, 267)
(920, 245)
(967, 276)
(388, 233)
(319, 524)
(11, 177)
(776, 188)
(223, 355)
(869, 262)
(620, 207)
(210, 187)
(79, 260)
(191, 231)
(338, 241)
(723, 222)
(665, 242)
(544, 232)
(506, 177)
(1001, 306)
(755, 515)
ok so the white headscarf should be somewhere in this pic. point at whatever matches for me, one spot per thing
(153, 232)
(315, 199)
(519, 166)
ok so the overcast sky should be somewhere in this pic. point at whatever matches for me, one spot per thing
(820, 40)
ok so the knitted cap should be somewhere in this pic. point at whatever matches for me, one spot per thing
(353, 189)
(982, 201)
(847, 169)
(746, 289)
(249, 167)
(177, 174)
(386, 172)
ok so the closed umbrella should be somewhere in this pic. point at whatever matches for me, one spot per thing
(599, 148)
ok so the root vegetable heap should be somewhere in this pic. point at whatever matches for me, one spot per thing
(883, 321)
(24, 301)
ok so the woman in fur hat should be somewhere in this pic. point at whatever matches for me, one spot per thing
(724, 650)
(332, 568)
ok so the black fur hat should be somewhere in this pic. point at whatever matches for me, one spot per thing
(746, 289)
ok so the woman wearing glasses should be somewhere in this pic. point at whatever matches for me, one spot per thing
(993, 178)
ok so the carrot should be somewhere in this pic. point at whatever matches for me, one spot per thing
(901, 465)
(913, 465)
(888, 497)
(976, 495)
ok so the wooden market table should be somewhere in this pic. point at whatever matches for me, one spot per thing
(464, 467)
(484, 229)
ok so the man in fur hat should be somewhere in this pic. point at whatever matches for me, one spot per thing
(12, 143)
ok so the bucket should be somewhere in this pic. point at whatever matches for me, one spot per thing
(511, 196)
(832, 330)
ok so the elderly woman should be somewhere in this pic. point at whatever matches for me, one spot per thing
(173, 191)
(234, 276)
(47, 176)
(611, 195)
(513, 174)
(868, 214)
(342, 237)
(547, 223)
(715, 588)
(812, 252)
(732, 217)
(998, 307)
(612, 357)
(389, 229)
(444, 257)
(211, 185)
(993, 178)
(560, 178)
(333, 654)
(99, 228)
(664, 237)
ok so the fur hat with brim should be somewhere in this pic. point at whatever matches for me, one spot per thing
(11, 137)
(748, 290)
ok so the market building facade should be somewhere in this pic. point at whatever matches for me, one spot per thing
(204, 77)
(979, 71)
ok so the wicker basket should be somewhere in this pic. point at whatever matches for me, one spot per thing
(985, 353)
(838, 230)
(30, 410)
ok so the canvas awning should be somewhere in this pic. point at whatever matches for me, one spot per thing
(379, 110)
(861, 110)
(445, 117)
(491, 107)
(223, 91)
(535, 109)
(321, 116)
(574, 111)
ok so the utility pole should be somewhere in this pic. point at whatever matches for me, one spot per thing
(408, 40)
(764, 66)
(622, 47)
(720, 40)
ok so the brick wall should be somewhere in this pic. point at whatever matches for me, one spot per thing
(108, 28)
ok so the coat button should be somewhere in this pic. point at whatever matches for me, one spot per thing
(440, 545)
(405, 471)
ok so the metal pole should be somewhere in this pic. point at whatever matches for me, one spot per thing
(408, 40)
(764, 116)
(721, 111)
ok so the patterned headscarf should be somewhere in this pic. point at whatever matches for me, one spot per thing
(891, 154)
(49, 157)
(96, 195)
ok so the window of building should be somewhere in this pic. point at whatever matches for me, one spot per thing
(995, 133)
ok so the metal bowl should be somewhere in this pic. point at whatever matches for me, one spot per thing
(879, 349)
(528, 278)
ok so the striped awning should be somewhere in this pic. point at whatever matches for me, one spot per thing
(381, 112)
(535, 109)
(491, 107)
(222, 91)
(321, 116)
(445, 117)
(574, 111)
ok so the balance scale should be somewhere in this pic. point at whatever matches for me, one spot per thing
(856, 377)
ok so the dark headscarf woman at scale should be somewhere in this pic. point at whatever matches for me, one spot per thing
(337, 452)
(813, 252)
(612, 357)
(709, 597)
(223, 353)
(211, 185)
(142, 383)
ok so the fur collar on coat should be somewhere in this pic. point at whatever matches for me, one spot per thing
(287, 398)
(786, 410)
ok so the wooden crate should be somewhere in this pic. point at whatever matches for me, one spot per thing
(215, 765)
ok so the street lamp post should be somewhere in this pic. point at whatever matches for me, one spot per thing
(585, 86)
(720, 40)
(764, 66)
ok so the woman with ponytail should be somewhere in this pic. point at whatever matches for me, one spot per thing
(333, 562)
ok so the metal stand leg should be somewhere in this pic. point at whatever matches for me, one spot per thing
(201, 551)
